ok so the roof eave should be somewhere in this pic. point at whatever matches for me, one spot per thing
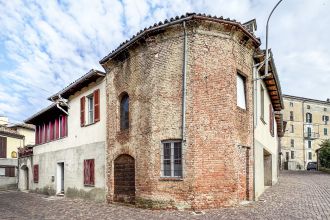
(77, 82)
(180, 20)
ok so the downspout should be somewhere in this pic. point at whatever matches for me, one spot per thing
(184, 77)
(256, 69)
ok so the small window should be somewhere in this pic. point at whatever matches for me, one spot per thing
(287, 156)
(309, 144)
(10, 171)
(90, 110)
(89, 177)
(292, 154)
(292, 128)
(309, 155)
(262, 103)
(241, 97)
(124, 112)
(36, 173)
(172, 159)
(292, 143)
(291, 115)
(325, 109)
(291, 104)
(13, 154)
(309, 117)
(325, 131)
(308, 107)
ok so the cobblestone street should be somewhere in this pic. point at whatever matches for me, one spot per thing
(298, 195)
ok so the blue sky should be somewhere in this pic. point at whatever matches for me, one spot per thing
(45, 45)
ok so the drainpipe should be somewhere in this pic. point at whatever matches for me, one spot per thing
(184, 76)
(58, 101)
(256, 69)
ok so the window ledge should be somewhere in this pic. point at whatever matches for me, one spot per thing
(86, 125)
(171, 179)
(89, 185)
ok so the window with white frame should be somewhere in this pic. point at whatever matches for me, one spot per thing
(309, 144)
(309, 155)
(241, 97)
(172, 159)
(90, 109)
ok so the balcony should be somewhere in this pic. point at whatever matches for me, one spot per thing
(311, 135)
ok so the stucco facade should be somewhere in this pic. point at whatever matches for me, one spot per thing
(303, 137)
(61, 162)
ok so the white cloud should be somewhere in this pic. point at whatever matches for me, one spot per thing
(48, 45)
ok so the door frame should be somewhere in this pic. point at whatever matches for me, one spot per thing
(60, 178)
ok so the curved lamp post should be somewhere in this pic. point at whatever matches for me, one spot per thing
(267, 56)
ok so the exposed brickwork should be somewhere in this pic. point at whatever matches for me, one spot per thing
(217, 158)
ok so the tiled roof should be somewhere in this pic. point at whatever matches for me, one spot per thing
(72, 87)
(10, 132)
(306, 99)
(176, 20)
(23, 125)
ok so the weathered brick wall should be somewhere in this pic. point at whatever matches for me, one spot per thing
(214, 164)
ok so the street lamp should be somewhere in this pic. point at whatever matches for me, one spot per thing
(267, 56)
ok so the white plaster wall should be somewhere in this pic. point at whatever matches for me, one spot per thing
(29, 135)
(73, 159)
(264, 140)
(78, 135)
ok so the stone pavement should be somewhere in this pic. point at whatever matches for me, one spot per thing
(298, 195)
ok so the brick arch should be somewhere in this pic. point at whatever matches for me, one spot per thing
(124, 179)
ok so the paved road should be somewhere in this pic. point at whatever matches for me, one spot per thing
(298, 195)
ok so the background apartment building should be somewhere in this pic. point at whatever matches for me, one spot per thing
(307, 126)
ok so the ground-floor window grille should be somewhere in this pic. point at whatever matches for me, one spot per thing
(172, 159)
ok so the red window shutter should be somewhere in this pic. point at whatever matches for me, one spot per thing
(82, 111)
(57, 134)
(37, 135)
(91, 167)
(36, 173)
(10, 171)
(65, 125)
(44, 134)
(271, 120)
(89, 176)
(50, 129)
(86, 176)
(7, 171)
(40, 134)
(97, 105)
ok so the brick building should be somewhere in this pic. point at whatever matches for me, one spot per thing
(180, 114)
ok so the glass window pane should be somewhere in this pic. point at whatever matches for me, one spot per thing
(167, 151)
(241, 92)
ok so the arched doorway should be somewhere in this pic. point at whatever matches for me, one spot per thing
(124, 179)
(25, 177)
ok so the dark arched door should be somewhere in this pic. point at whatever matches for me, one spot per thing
(124, 179)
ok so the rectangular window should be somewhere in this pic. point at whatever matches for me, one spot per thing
(309, 117)
(3, 147)
(291, 116)
(292, 154)
(291, 104)
(2, 171)
(89, 177)
(325, 109)
(172, 159)
(262, 103)
(292, 129)
(90, 109)
(309, 132)
(309, 144)
(10, 171)
(36, 173)
(292, 143)
(309, 155)
(241, 97)
(325, 131)
(287, 156)
(308, 107)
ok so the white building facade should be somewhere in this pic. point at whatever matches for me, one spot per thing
(69, 155)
